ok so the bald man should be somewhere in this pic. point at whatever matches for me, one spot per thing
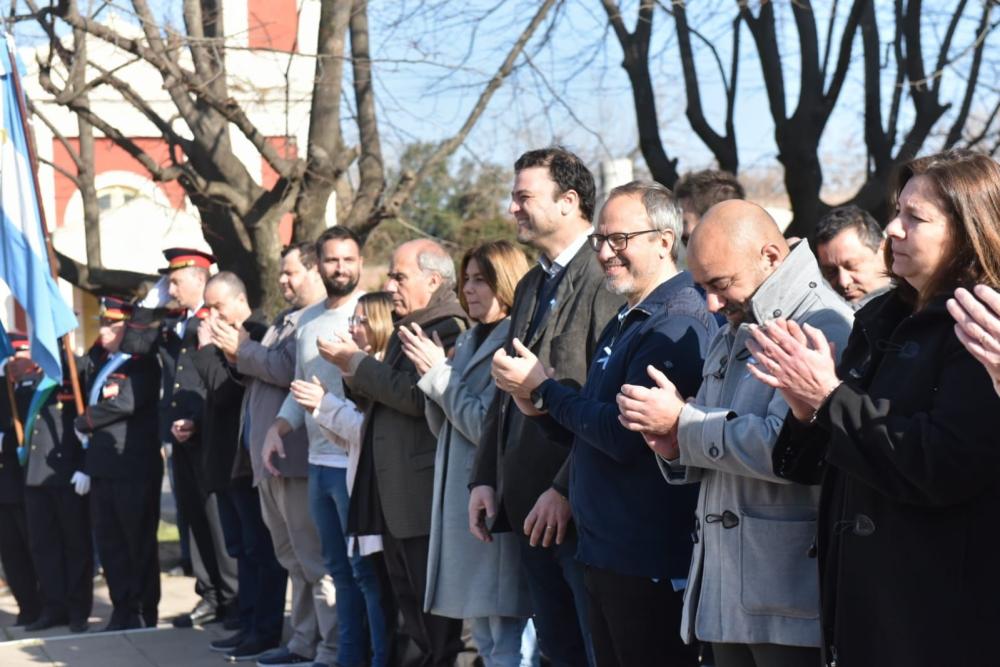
(753, 588)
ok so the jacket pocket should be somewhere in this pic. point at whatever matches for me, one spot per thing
(777, 576)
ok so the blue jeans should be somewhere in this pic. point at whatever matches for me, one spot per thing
(498, 639)
(555, 583)
(262, 580)
(354, 577)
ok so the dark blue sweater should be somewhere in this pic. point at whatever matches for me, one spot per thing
(629, 520)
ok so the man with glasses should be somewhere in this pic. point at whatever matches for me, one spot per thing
(520, 480)
(753, 589)
(634, 530)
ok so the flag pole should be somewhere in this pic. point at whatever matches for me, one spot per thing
(33, 159)
(18, 427)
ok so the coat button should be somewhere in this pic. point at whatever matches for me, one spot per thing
(183, 350)
(180, 368)
(177, 385)
(812, 284)
(173, 404)
(713, 451)
(776, 313)
(863, 525)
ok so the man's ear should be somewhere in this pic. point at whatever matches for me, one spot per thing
(667, 241)
(435, 280)
(568, 201)
(771, 255)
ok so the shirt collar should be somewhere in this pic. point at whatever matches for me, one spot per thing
(552, 267)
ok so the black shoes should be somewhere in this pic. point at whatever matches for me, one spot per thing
(204, 612)
(119, 624)
(227, 644)
(251, 649)
(79, 625)
(46, 621)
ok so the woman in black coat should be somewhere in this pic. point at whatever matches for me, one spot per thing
(903, 437)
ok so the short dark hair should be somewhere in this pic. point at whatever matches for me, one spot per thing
(230, 280)
(849, 217)
(337, 233)
(568, 171)
(706, 188)
(307, 252)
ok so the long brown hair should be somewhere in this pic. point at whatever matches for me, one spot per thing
(968, 187)
(502, 265)
(377, 307)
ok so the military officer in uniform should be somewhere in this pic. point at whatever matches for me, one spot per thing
(119, 428)
(165, 324)
(57, 511)
(14, 554)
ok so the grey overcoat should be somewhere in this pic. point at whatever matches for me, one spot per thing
(753, 578)
(466, 578)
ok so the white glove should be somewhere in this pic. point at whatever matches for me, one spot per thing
(158, 295)
(82, 437)
(81, 483)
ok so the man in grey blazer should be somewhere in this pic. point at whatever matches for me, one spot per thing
(282, 481)
(753, 587)
(521, 478)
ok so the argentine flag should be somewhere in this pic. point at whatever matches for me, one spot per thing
(24, 262)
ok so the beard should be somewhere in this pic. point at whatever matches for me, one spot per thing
(334, 288)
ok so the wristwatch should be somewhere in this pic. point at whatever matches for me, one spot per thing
(537, 400)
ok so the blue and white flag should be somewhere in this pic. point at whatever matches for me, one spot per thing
(6, 349)
(24, 261)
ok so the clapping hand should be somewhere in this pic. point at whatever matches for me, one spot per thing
(977, 325)
(421, 350)
(308, 393)
(798, 361)
(520, 375)
(224, 336)
(338, 350)
(652, 410)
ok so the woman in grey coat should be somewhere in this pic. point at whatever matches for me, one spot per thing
(466, 578)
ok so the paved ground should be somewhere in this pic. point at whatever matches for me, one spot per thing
(161, 647)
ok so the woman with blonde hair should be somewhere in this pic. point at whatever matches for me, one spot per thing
(341, 420)
(466, 578)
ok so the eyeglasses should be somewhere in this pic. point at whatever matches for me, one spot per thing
(356, 321)
(617, 241)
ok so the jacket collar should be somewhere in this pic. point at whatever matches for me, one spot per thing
(492, 342)
(664, 293)
(443, 304)
(782, 292)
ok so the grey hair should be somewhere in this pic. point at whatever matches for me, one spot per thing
(438, 261)
(661, 206)
(230, 280)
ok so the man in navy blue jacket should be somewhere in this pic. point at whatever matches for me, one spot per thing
(634, 531)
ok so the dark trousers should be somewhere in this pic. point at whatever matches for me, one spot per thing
(635, 621)
(559, 598)
(438, 639)
(61, 549)
(191, 498)
(126, 514)
(262, 580)
(765, 655)
(17, 565)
